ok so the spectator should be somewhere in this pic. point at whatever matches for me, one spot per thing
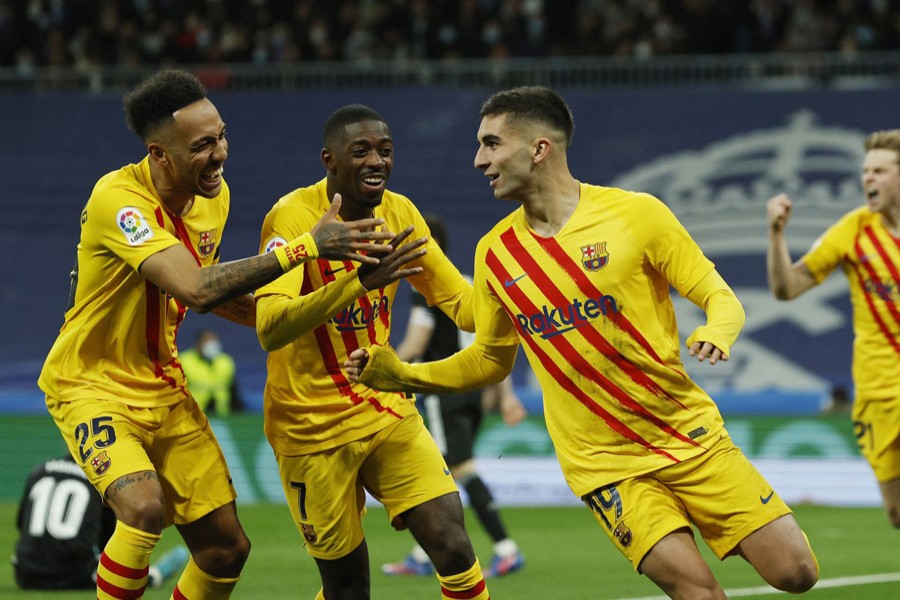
(211, 31)
(212, 376)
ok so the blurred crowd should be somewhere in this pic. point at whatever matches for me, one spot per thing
(86, 33)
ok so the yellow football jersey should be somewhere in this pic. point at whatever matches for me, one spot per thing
(118, 339)
(870, 257)
(310, 404)
(591, 307)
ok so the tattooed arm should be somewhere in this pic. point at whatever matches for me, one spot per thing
(204, 288)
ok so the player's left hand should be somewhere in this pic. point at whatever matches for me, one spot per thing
(704, 350)
(355, 363)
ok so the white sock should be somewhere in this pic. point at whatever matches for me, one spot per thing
(505, 548)
(419, 555)
(154, 577)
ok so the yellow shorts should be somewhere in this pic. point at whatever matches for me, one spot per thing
(400, 466)
(720, 492)
(877, 428)
(110, 439)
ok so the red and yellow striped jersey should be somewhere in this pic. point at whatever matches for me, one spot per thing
(870, 257)
(118, 339)
(591, 307)
(310, 404)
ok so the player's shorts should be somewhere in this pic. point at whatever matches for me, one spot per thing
(110, 439)
(877, 428)
(719, 491)
(399, 465)
(453, 420)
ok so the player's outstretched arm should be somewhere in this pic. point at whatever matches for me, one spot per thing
(203, 288)
(472, 368)
(281, 318)
(787, 280)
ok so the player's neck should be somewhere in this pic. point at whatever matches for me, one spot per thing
(175, 200)
(890, 218)
(551, 205)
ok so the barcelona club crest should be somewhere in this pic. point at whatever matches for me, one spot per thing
(100, 463)
(594, 256)
(309, 532)
(207, 242)
(623, 533)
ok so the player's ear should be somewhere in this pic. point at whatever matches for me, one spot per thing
(541, 149)
(327, 159)
(157, 153)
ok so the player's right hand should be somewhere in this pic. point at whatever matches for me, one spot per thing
(339, 240)
(779, 211)
(393, 264)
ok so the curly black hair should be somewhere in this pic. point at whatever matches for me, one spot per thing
(154, 100)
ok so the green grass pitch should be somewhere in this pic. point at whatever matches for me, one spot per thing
(568, 558)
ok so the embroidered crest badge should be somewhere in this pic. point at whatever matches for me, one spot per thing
(100, 463)
(309, 533)
(207, 242)
(594, 256)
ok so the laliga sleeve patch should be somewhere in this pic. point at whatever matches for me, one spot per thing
(275, 242)
(134, 226)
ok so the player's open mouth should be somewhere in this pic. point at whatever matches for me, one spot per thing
(493, 179)
(871, 193)
(375, 180)
(213, 176)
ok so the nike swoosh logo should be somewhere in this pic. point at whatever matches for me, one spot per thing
(511, 282)
(767, 498)
(330, 272)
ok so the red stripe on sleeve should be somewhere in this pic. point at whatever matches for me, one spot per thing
(178, 595)
(583, 367)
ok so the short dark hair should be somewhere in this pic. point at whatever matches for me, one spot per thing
(438, 230)
(347, 115)
(532, 104)
(155, 99)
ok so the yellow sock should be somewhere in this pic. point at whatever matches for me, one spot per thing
(122, 572)
(468, 585)
(197, 585)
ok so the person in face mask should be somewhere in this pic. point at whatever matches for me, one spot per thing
(211, 375)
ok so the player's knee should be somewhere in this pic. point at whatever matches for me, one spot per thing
(145, 513)
(799, 579)
(237, 552)
(227, 558)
